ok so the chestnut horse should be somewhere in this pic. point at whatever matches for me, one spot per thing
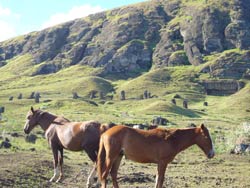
(158, 146)
(63, 134)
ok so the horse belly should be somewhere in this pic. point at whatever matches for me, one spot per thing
(73, 145)
(141, 154)
(70, 142)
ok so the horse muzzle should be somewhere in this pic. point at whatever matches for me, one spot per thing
(26, 131)
(211, 154)
(26, 128)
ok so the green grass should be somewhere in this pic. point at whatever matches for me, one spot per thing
(18, 66)
(223, 116)
(163, 84)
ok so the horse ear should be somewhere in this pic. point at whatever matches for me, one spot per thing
(32, 109)
(202, 126)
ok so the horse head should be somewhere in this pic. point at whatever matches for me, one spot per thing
(204, 141)
(32, 119)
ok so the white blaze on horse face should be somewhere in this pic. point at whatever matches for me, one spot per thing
(26, 126)
(211, 153)
(27, 123)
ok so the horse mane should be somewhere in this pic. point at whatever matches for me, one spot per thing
(60, 120)
(57, 123)
(55, 119)
(173, 134)
(169, 133)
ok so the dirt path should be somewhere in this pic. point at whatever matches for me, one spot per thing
(34, 169)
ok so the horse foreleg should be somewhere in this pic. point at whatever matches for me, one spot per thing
(55, 154)
(114, 171)
(161, 168)
(60, 158)
(156, 180)
(91, 176)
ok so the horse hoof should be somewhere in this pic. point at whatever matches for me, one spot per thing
(58, 181)
(52, 179)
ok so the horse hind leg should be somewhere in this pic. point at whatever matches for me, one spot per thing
(55, 154)
(114, 171)
(111, 164)
(60, 158)
(108, 166)
(106, 158)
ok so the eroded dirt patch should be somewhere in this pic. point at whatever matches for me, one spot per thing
(34, 169)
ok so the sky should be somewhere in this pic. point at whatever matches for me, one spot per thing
(18, 17)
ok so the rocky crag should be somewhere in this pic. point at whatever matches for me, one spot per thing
(158, 33)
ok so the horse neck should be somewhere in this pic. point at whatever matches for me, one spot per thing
(46, 120)
(185, 138)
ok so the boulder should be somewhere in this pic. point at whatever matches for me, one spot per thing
(5, 144)
(241, 148)
(14, 134)
(31, 138)
(159, 121)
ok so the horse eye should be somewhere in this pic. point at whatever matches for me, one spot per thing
(29, 117)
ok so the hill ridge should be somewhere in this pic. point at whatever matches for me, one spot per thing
(139, 37)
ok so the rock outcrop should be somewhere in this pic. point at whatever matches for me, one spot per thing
(230, 65)
(135, 38)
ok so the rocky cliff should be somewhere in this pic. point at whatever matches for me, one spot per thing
(148, 35)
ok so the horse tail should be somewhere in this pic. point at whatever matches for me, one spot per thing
(101, 160)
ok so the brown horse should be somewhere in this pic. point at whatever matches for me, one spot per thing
(158, 146)
(63, 134)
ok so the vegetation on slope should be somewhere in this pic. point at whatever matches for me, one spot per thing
(113, 51)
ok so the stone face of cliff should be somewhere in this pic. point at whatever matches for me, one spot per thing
(231, 64)
(222, 87)
(135, 38)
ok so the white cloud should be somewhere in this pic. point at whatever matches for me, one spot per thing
(7, 22)
(6, 31)
(75, 12)
(4, 11)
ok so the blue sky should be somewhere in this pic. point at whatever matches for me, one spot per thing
(19, 17)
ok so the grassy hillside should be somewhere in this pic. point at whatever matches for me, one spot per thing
(223, 116)
(107, 53)
(163, 84)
